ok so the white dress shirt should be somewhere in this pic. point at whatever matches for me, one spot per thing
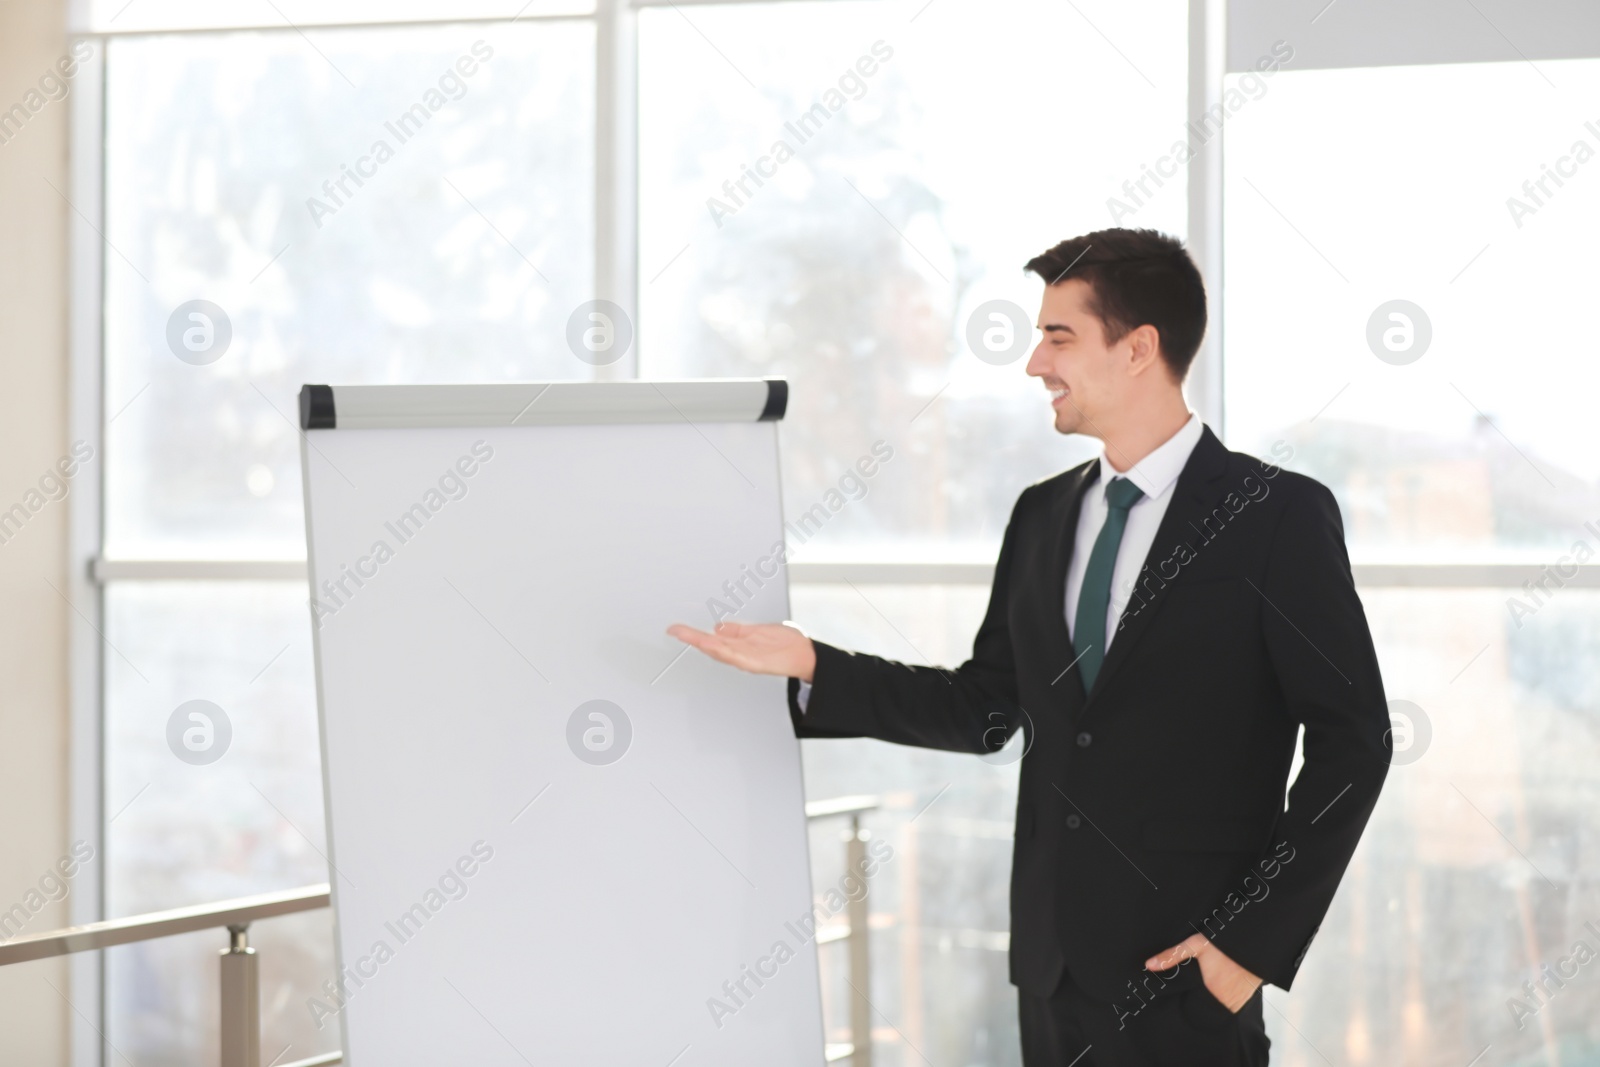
(1155, 475)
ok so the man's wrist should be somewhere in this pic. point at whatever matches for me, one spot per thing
(808, 668)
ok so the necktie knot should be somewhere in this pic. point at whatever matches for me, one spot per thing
(1122, 494)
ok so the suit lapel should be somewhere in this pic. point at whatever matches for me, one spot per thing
(1193, 496)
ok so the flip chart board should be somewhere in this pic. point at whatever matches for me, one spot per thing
(555, 834)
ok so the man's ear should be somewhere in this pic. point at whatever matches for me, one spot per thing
(1144, 348)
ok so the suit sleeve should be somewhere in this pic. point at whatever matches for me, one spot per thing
(972, 708)
(1321, 652)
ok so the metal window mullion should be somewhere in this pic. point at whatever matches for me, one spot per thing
(106, 33)
(1374, 575)
(616, 171)
(642, 4)
(85, 535)
(1207, 43)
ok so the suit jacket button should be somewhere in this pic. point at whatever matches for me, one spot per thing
(1073, 822)
(1083, 740)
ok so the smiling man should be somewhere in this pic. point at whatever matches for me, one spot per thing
(1164, 621)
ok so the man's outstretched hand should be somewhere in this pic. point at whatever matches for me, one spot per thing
(1226, 980)
(757, 647)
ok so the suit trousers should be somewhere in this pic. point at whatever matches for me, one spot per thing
(1185, 1027)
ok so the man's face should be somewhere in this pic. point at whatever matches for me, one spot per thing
(1073, 360)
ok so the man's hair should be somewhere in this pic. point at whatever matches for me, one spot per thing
(1135, 277)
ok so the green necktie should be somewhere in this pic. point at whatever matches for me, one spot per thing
(1089, 625)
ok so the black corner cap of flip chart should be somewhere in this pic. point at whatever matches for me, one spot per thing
(316, 407)
(777, 400)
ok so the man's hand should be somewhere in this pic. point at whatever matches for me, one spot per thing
(1227, 981)
(758, 647)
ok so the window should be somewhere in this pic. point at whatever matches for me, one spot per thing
(447, 256)
(234, 175)
(241, 169)
(856, 268)
(1405, 288)
(949, 153)
(1454, 424)
(1454, 430)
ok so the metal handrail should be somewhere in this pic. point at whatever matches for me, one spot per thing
(241, 1024)
(856, 932)
(854, 805)
(241, 911)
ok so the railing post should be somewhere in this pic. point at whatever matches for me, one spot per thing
(241, 1002)
(855, 860)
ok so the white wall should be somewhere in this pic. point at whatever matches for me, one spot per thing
(33, 435)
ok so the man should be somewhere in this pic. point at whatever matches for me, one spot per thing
(1163, 622)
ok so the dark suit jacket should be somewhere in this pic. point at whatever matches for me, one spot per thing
(1154, 806)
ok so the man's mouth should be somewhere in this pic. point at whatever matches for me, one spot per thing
(1058, 395)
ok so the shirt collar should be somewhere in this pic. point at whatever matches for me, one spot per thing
(1155, 473)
